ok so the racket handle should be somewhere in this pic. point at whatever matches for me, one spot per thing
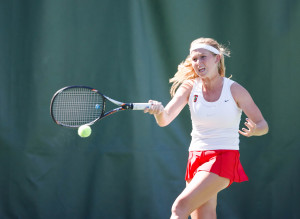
(140, 106)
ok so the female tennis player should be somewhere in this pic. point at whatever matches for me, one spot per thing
(216, 104)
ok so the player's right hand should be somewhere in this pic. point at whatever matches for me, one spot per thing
(156, 107)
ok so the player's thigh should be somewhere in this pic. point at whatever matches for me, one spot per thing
(200, 189)
(207, 210)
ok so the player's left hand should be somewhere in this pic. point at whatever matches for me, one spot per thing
(250, 130)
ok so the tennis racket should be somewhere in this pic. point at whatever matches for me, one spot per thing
(74, 106)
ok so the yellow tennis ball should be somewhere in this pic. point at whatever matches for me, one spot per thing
(84, 131)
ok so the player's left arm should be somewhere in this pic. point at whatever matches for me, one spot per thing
(255, 124)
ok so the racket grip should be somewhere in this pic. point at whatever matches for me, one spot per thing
(141, 106)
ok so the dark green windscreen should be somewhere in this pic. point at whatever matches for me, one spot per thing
(130, 168)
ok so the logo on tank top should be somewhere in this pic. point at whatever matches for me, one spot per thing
(195, 98)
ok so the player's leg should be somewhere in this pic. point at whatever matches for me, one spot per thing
(207, 210)
(203, 187)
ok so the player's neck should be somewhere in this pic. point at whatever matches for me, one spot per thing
(212, 83)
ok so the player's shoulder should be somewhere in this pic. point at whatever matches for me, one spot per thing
(185, 88)
(189, 83)
(238, 91)
(235, 86)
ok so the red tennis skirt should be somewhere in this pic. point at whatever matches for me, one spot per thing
(225, 163)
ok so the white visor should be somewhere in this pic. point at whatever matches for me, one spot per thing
(204, 46)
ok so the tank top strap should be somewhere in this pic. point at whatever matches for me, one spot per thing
(227, 85)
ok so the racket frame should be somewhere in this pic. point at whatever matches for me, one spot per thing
(103, 114)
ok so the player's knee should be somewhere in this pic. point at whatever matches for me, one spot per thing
(179, 210)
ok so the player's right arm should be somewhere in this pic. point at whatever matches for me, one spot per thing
(165, 115)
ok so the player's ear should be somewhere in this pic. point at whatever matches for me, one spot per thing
(218, 58)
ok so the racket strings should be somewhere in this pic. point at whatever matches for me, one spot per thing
(77, 106)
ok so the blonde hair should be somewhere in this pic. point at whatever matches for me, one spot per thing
(185, 69)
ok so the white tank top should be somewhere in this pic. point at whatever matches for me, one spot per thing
(215, 124)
